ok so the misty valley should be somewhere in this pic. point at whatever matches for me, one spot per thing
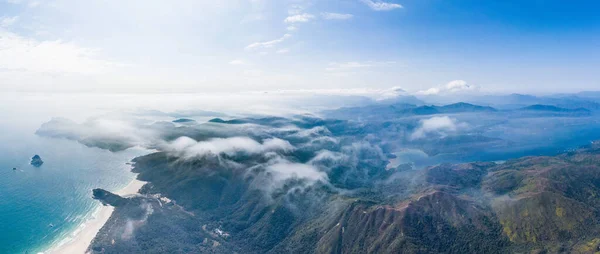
(518, 174)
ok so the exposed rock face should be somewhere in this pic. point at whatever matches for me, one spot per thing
(108, 198)
(36, 161)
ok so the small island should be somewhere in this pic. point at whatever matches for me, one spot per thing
(36, 161)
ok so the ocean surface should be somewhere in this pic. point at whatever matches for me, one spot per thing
(40, 207)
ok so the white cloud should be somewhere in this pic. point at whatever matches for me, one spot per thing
(452, 87)
(268, 44)
(188, 148)
(299, 18)
(438, 125)
(392, 92)
(377, 94)
(326, 155)
(285, 170)
(237, 62)
(277, 172)
(8, 21)
(291, 28)
(33, 4)
(30, 4)
(295, 9)
(312, 132)
(150, 59)
(378, 5)
(100, 131)
(283, 51)
(30, 55)
(430, 91)
(458, 85)
(336, 16)
(346, 66)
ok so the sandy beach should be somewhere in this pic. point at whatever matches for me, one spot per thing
(80, 241)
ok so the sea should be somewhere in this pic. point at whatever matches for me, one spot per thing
(42, 206)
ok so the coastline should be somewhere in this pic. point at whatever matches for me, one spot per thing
(82, 239)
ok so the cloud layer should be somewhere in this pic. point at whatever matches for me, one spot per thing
(378, 5)
(299, 18)
(50, 57)
(188, 148)
(336, 16)
(268, 44)
(452, 87)
(437, 125)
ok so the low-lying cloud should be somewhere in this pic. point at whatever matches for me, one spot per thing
(274, 154)
(452, 87)
(437, 125)
(107, 133)
(188, 148)
(282, 171)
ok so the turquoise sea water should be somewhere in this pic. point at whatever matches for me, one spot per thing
(56, 193)
(59, 192)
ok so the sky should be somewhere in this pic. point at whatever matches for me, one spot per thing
(333, 46)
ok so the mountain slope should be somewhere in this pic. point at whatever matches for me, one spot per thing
(313, 189)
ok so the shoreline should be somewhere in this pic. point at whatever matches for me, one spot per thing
(88, 230)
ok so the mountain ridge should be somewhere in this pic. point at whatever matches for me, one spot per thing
(518, 208)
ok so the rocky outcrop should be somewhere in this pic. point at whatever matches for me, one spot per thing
(108, 198)
(36, 161)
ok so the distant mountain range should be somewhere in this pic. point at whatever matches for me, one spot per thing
(512, 101)
(406, 110)
(550, 108)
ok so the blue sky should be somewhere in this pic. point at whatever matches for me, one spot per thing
(363, 46)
